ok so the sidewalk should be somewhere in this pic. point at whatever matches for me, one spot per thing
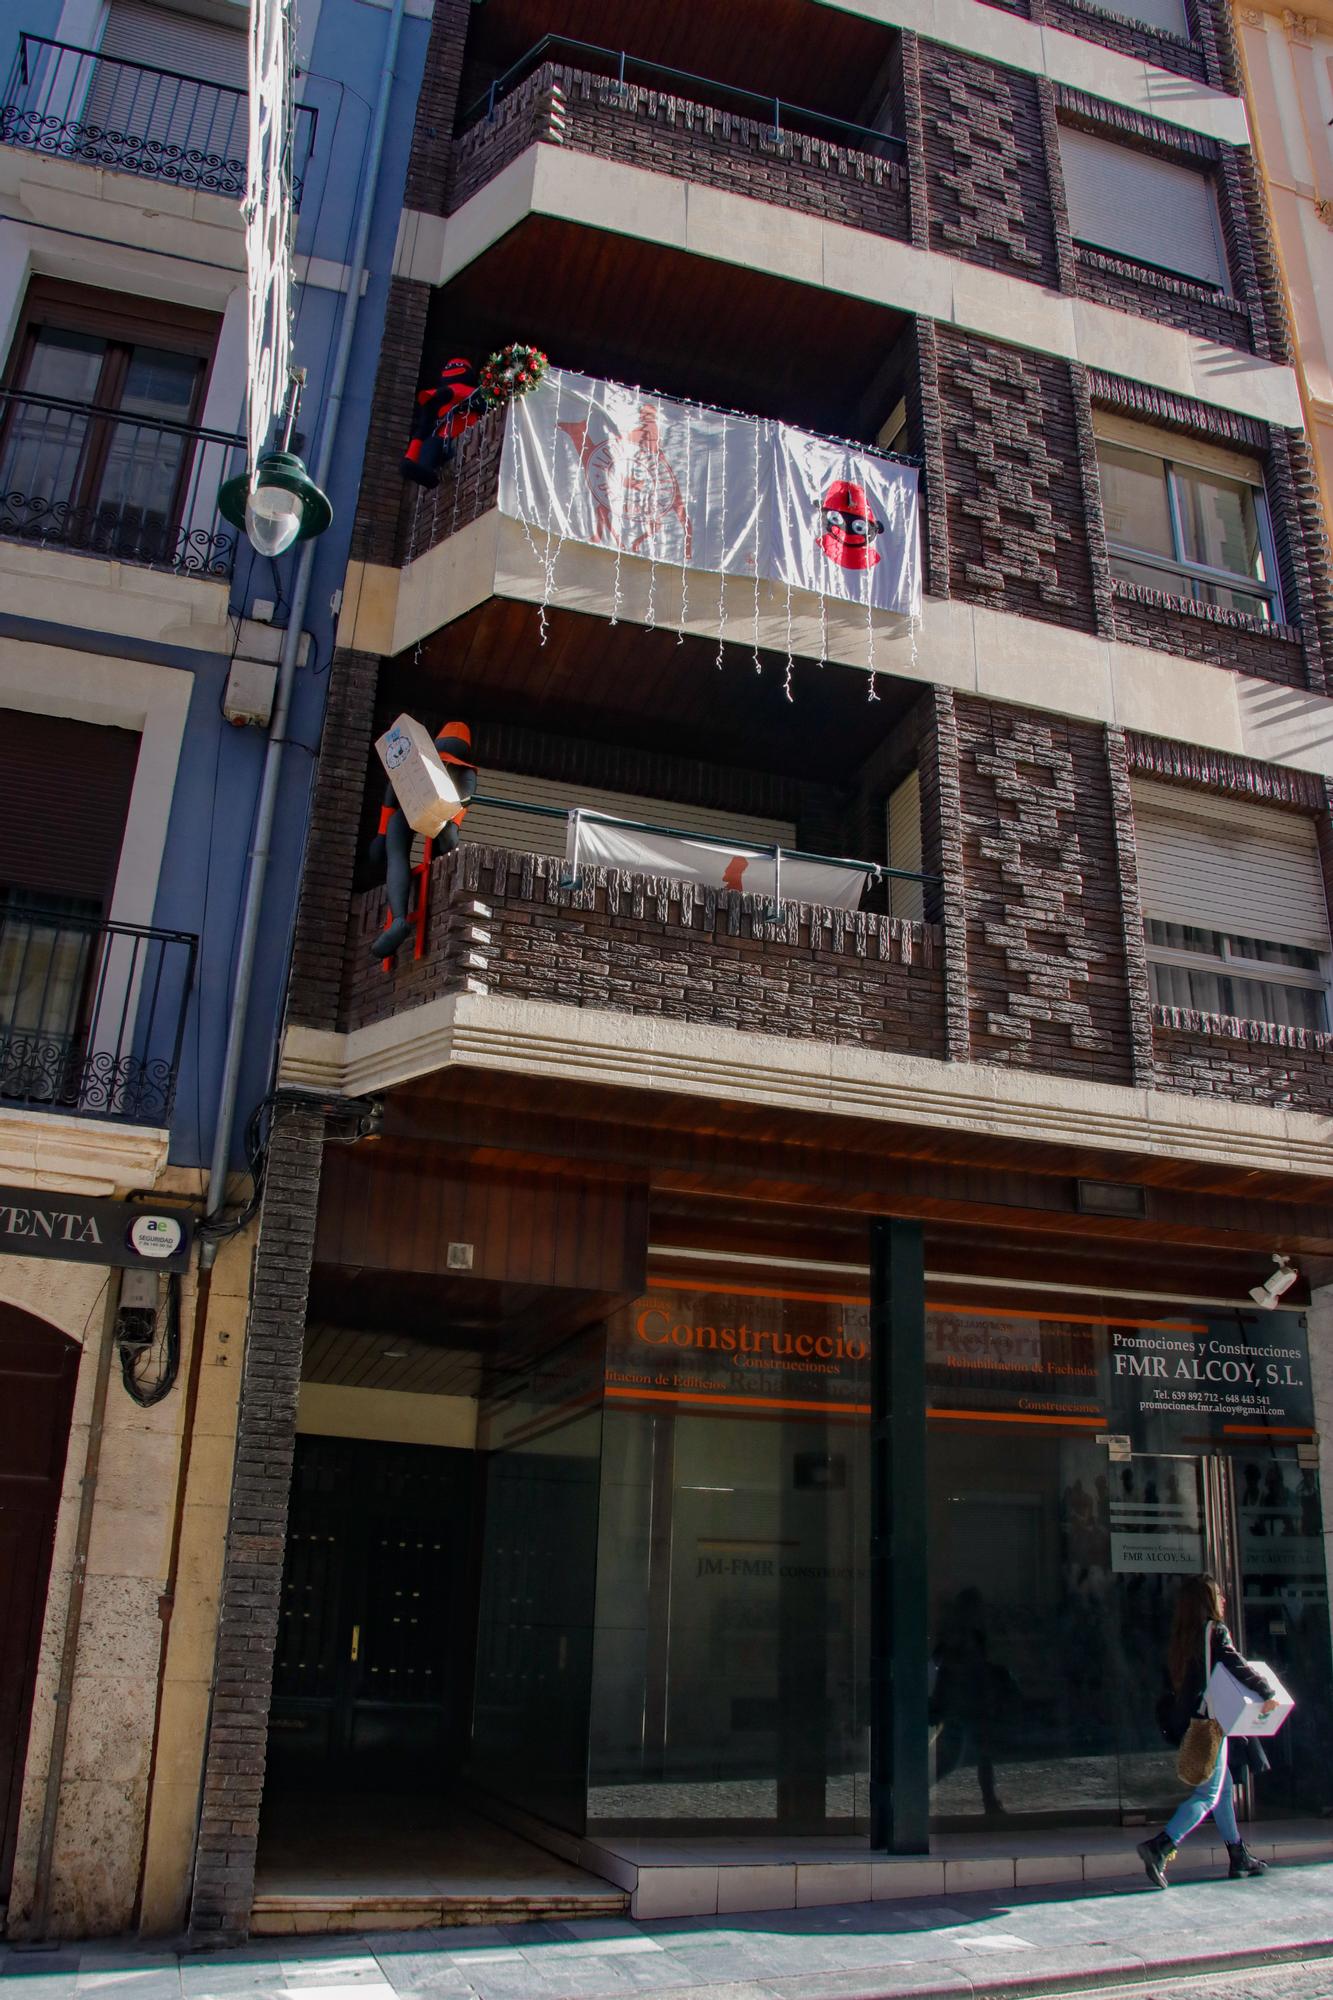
(1029, 1941)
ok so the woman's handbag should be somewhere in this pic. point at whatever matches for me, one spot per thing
(1203, 1739)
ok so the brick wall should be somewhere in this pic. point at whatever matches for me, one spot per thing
(1045, 957)
(664, 133)
(1253, 1062)
(331, 842)
(1209, 632)
(1013, 481)
(640, 945)
(1154, 295)
(252, 1577)
(437, 107)
(985, 174)
(1127, 38)
(386, 499)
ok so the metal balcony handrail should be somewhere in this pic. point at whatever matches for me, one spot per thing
(55, 121)
(771, 850)
(107, 482)
(92, 1013)
(860, 138)
(104, 411)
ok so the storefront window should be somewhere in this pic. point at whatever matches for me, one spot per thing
(731, 1664)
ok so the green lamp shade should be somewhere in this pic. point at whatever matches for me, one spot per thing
(284, 507)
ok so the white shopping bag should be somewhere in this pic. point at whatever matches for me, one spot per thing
(420, 779)
(1236, 1708)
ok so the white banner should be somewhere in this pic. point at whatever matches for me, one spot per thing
(713, 867)
(592, 461)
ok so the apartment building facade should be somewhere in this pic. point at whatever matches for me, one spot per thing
(775, 1358)
(140, 640)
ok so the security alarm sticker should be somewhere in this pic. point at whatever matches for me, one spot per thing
(155, 1236)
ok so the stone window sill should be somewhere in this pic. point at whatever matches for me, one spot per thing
(1231, 1028)
(1207, 614)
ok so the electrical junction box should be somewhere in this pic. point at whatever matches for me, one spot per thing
(248, 695)
(458, 1257)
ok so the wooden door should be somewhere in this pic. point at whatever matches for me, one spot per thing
(370, 1675)
(38, 1370)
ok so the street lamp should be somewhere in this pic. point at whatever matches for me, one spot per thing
(284, 505)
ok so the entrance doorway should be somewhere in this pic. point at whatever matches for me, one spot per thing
(38, 1371)
(371, 1676)
(1054, 1580)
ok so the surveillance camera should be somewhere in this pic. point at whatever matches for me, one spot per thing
(1277, 1282)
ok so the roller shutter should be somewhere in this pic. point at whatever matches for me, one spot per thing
(182, 108)
(532, 833)
(64, 799)
(904, 845)
(1226, 865)
(1136, 205)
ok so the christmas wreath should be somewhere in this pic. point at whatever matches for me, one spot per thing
(511, 372)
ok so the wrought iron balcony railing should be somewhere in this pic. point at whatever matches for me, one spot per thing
(108, 483)
(75, 104)
(91, 1015)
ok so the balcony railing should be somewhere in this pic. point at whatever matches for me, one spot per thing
(777, 115)
(75, 104)
(108, 483)
(603, 102)
(91, 1015)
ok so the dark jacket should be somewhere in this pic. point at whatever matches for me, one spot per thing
(1246, 1753)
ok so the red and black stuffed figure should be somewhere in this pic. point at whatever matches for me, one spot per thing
(442, 415)
(390, 852)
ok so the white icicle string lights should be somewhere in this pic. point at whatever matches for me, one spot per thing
(268, 212)
(684, 540)
(722, 574)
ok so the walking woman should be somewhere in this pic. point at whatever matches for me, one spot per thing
(1201, 1604)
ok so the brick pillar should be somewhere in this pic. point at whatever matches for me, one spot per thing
(909, 87)
(386, 500)
(942, 844)
(1065, 266)
(928, 426)
(224, 1872)
(331, 843)
(1099, 558)
(437, 107)
(1143, 1072)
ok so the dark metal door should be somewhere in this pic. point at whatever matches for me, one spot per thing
(38, 1370)
(369, 1679)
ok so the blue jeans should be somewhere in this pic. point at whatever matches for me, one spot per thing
(1213, 1796)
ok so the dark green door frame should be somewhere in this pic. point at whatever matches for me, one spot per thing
(899, 1639)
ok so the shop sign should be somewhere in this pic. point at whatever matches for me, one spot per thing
(733, 1350)
(83, 1229)
(1212, 1379)
(1166, 1553)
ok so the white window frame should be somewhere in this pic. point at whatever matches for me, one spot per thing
(1229, 961)
(1180, 567)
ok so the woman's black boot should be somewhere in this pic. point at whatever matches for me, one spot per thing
(1242, 1861)
(1154, 1854)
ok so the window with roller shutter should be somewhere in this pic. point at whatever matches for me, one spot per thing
(174, 83)
(1136, 205)
(64, 800)
(1235, 918)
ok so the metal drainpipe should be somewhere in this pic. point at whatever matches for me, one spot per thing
(268, 791)
(83, 1533)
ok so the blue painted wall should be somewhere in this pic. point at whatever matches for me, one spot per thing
(202, 879)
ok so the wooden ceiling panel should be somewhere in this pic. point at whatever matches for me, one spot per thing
(680, 324)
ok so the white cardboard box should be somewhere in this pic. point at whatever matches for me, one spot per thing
(420, 778)
(1237, 1708)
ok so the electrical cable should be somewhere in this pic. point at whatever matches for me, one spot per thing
(140, 1331)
